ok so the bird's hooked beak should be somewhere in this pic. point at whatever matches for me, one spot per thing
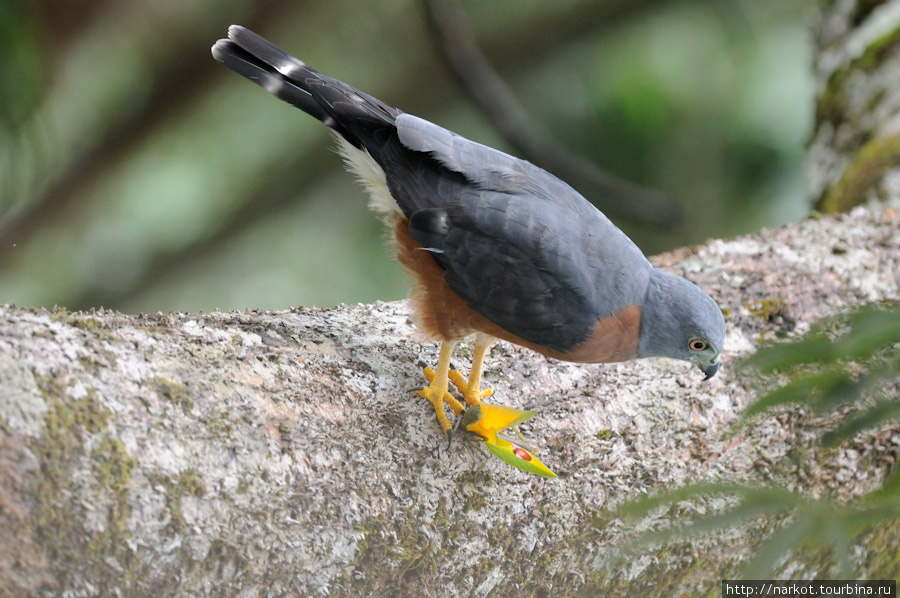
(710, 370)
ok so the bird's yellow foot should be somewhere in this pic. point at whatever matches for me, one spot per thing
(483, 419)
(488, 421)
(470, 389)
(437, 396)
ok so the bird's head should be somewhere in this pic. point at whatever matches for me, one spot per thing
(680, 321)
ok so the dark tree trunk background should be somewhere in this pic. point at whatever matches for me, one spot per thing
(854, 155)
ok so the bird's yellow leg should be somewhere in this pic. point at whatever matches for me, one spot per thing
(437, 390)
(471, 388)
(482, 419)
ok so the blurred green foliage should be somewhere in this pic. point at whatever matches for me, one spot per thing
(136, 173)
(848, 366)
(22, 75)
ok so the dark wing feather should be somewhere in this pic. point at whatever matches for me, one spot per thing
(357, 116)
(518, 263)
(520, 246)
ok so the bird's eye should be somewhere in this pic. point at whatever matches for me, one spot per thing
(698, 344)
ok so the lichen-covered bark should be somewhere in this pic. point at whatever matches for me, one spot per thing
(283, 453)
(854, 155)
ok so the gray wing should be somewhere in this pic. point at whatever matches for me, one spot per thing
(520, 246)
(483, 165)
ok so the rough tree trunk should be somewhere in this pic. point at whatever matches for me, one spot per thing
(854, 154)
(282, 454)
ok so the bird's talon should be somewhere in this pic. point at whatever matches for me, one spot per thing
(448, 398)
(456, 377)
(469, 389)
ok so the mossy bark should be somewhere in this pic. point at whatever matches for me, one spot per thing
(283, 454)
(854, 154)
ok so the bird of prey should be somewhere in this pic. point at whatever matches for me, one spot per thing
(498, 248)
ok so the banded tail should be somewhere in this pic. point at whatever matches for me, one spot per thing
(354, 114)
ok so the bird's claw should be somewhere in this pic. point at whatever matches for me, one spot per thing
(470, 392)
(430, 394)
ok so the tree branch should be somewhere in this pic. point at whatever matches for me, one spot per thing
(234, 454)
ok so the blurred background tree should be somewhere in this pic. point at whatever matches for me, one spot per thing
(137, 174)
